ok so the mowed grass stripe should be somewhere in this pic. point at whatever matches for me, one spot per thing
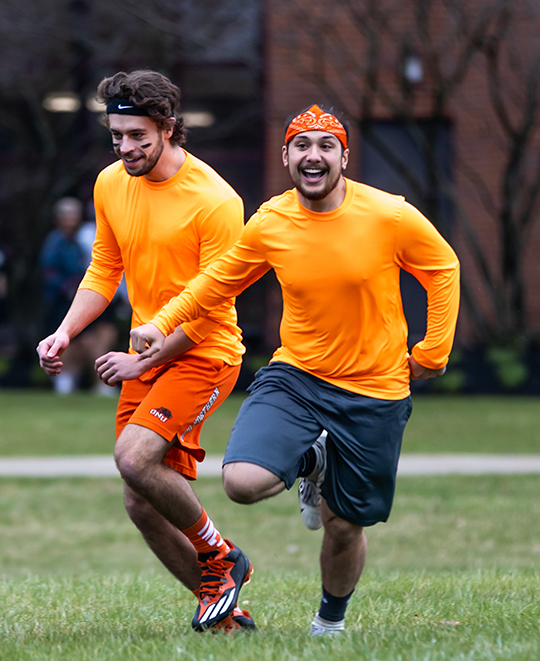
(41, 423)
(451, 523)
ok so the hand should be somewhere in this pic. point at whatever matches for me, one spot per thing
(49, 351)
(119, 366)
(419, 372)
(147, 340)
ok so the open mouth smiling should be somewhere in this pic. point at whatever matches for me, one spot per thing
(132, 160)
(313, 175)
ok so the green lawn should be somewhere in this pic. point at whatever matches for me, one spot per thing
(453, 576)
(41, 423)
(453, 523)
(490, 424)
(468, 616)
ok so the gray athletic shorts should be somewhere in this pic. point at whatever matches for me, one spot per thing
(284, 414)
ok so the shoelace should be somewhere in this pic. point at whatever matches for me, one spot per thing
(210, 588)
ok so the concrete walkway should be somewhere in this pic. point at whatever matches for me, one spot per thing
(410, 464)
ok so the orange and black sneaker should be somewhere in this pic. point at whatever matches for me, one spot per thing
(238, 620)
(222, 576)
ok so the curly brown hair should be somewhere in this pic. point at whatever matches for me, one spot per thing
(149, 90)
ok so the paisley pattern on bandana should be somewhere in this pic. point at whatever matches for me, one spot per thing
(316, 119)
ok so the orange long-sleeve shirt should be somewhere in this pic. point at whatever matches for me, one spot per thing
(162, 234)
(343, 319)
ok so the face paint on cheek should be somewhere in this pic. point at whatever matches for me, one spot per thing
(146, 146)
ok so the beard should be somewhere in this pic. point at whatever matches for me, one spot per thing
(149, 162)
(329, 184)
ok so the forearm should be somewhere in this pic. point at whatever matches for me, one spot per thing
(185, 307)
(149, 339)
(175, 345)
(443, 305)
(87, 305)
(224, 279)
(118, 366)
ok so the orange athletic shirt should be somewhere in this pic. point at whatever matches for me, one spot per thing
(162, 234)
(343, 319)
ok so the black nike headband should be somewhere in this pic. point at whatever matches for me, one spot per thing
(125, 107)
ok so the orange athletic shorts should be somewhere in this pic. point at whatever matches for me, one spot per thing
(174, 404)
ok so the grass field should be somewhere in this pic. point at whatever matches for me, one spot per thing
(41, 423)
(454, 575)
(484, 616)
(454, 523)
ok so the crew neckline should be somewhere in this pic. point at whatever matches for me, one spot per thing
(179, 174)
(325, 216)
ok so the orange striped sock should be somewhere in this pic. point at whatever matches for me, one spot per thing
(205, 537)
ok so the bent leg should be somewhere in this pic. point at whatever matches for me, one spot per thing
(249, 483)
(275, 426)
(167, 543)
(343, 553)
(138, 454)
(156, 451)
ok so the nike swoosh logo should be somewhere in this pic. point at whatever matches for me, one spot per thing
(123, 107)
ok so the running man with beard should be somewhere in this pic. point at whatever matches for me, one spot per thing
(162, 216)
(337, 247)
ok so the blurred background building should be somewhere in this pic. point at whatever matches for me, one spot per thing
(443, 98)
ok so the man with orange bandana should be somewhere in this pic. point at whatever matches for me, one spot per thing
(337, 247)
(162, 216)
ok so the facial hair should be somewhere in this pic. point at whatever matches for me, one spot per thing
(329, 186)
(150, 161)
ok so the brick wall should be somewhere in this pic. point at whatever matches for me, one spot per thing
(316, 52)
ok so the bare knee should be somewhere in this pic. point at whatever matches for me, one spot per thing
(341, 533)
(237, 487)
(238, 492)
(343, 530)
(128, 461)
(247, 483)
(136, 451)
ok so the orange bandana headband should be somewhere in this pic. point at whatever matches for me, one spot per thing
(316, 119)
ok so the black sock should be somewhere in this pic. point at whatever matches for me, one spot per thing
(307, 463)
(332, 608)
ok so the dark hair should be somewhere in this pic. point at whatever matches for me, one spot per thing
(149, 90)
(331, 110)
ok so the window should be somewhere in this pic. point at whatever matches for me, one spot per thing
(413, 159)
